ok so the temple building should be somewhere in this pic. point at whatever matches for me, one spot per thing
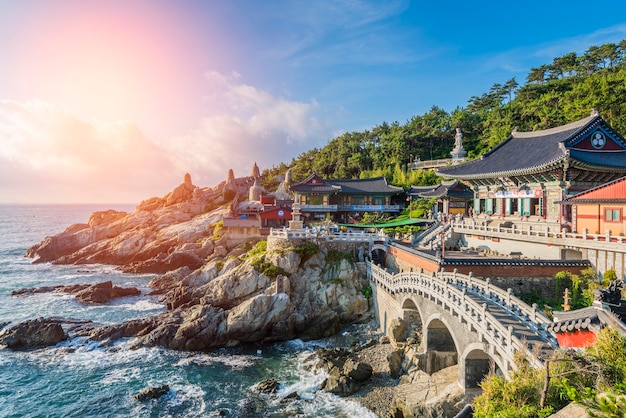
(452, 197)
(600, 210)
(529, 173)
(345, 200)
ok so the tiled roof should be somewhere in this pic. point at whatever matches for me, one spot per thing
(373, 185)
(314, 184)
(591, 318)
(531, 152)
(377, 185)
(449, 188)
(611, 192)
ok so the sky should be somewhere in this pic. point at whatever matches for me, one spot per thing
(114, 101)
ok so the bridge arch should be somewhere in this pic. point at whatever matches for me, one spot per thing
(475, 364)
(437, 335)
(378, 254)
(412, 315)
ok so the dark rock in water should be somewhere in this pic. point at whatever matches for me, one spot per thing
(267, 386)
(34, 333)
(152, 393)
(31, 291)
(104, 292)
(293, 396)
(85, 293)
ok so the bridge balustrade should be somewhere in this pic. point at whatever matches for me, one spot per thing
(452, 291)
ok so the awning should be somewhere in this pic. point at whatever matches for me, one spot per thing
(389, 224)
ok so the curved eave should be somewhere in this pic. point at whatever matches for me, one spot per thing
(596, 167)
(510, 173)
(592, 201)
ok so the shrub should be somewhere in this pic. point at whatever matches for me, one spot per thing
(367, 291)
(268, 269)
(218, 230)
(307, 250)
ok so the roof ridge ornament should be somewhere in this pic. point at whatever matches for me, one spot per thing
(594, 112)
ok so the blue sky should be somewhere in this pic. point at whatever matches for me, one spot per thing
(107, 101)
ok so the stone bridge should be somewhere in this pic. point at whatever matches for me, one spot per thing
(484, 325)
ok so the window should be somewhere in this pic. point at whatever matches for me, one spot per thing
(612, 215)
(357, 200)
(315, 200)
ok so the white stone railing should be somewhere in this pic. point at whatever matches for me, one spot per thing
(318, 208)
(450, 290)
(308, 233)
(527, 233)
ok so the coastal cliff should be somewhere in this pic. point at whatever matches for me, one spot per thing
(216, 295)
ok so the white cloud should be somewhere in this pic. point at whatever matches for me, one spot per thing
(50, 155)
(246, 125)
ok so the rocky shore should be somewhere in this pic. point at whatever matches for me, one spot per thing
(224, 293)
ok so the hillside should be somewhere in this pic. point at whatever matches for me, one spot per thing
(554, 94)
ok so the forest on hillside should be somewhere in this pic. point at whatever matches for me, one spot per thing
(554, 94)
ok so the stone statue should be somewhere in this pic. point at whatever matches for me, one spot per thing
(458, 152)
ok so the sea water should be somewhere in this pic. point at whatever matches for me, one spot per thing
(82, 378)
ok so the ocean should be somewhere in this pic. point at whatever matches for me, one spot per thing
(80, 378)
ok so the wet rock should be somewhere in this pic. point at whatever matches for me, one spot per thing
(85, 293)
(268, 386)
(346, 372)
(34, 333)
(152, 393)
(104, 292)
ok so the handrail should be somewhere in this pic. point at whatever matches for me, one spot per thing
(307, 233)
(584, 239)
(496, 294)
(451, 290)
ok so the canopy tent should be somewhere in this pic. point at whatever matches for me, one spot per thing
(389, 224)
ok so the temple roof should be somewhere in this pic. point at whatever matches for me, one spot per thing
(445, 188)
(589, 143)
(608, 193)
(315, 184)
(591, 318)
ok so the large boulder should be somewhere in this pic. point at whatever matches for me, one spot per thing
(253, 320)
(34, 333)
(434, 396)
(104, 292)
(346, 372)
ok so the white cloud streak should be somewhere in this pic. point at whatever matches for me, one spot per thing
(244, 125)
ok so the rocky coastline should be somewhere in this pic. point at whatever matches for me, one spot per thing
(224, 294)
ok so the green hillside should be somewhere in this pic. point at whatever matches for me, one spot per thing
(554, 94)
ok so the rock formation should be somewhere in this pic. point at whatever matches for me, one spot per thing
(34, 333)
(230, 187)
(162, 234)
(346, 373)
(85, 293)
(255, 172)
(152, 393)
(216, 294)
